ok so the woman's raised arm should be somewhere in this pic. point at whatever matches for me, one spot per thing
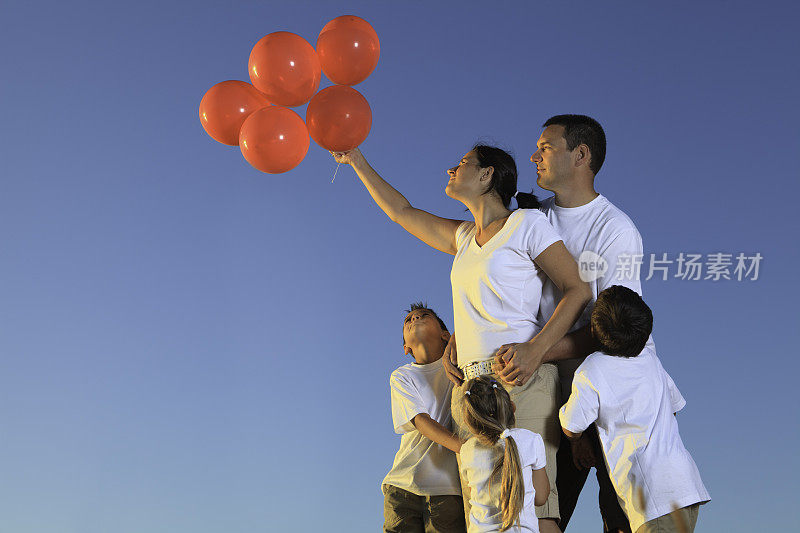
(437, 232)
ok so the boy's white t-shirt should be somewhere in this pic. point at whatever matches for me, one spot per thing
(422, 466)
(632, 401)
(497, 287)
(600, 228)
(478, 462)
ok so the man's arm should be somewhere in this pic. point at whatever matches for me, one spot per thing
(437, 432)
(579, 343)
(574, 345)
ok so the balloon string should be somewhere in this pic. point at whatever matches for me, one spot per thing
(337, 170)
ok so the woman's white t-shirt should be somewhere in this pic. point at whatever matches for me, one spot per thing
(477, 464)
(497, 286)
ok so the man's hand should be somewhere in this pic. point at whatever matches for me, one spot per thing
(515, 363)
(450, 362)
(582, 452)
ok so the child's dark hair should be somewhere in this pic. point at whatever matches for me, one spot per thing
(419, 305)
(488, 411)
(504, 177)
(621, 322)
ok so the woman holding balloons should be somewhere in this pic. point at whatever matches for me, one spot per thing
(501, 258)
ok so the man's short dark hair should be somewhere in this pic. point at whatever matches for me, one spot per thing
(580, 129)
(419, 305)
(621, 322)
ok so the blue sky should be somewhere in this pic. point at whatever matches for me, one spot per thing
(187, 344)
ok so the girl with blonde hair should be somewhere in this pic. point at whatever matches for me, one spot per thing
(503, 465)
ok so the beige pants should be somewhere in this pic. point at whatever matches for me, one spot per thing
(537, 405)
(681, 521)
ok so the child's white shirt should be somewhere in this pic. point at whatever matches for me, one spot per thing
(422, 466)
(478, 462)
(633, 401)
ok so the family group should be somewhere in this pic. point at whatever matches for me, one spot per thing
(551, 368)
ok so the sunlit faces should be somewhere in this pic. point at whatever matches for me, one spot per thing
(467, 178)
(552, 158)
(420, 325)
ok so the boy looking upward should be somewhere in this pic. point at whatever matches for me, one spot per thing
(422, 491)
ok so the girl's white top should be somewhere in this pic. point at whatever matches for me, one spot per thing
(478, 462)
(497, 286)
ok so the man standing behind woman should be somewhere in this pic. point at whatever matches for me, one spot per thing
(569, 154)
(502, 258)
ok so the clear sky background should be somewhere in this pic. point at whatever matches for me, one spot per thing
(187, 344)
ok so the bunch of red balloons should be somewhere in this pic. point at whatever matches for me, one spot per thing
(285, 71)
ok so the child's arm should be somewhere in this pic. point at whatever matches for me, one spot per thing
(436, 432)
(541, 485)
(581, 409)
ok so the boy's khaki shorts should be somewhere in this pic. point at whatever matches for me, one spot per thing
(682, 520)
(537, 405)
(406, 512)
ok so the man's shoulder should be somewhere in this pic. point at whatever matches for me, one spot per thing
(602, 210)
(615, 218)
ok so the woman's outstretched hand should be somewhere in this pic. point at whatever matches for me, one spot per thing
(351, 157)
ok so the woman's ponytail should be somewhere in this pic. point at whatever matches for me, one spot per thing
(527, 200)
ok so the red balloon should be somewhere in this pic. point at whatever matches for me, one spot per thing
(274, 139)
(348, 49)
(285, 68)
(225, 106)
(339, 118)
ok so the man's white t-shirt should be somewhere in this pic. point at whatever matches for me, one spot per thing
(497, 286)
(595, 229)
(478, 462)
(422, 466)
(632, 401)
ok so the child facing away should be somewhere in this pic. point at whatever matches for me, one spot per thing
(503, 465)
(633, 400)
(422, 491)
